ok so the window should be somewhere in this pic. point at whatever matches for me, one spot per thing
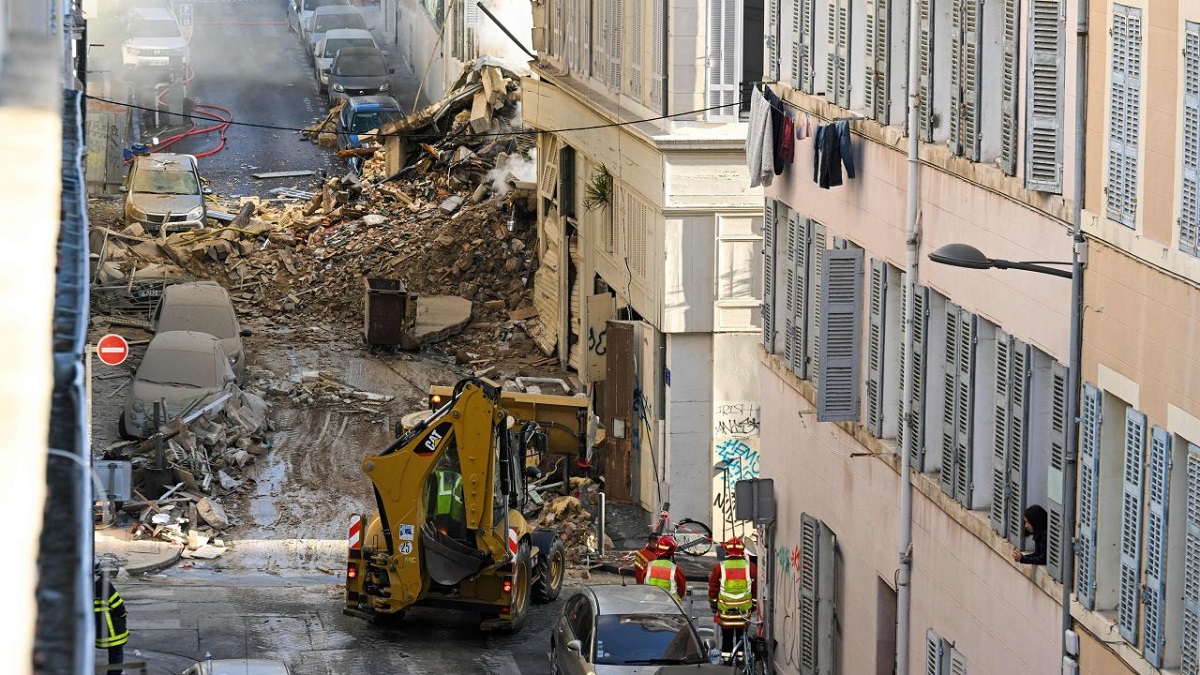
(837, 67)
(957, 464)
(612, 36)
(802, 295)
(803, 53)
(1044, 97)
(1124, 114)
(941, 658)
(1158, 484)
(635, 52)
(910, 435)
(1190, 648)
(770, 210)
(732, 60)
(1189, 207)
(877, 90)
(884, 342)
(599, 24)
(819, 573)
(1089, 494)
(838, 391)
(1131, 524)
(657, 57)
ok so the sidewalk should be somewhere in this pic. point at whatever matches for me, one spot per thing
(136, 556)
(629, 526)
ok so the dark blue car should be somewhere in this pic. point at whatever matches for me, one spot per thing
(362, 114)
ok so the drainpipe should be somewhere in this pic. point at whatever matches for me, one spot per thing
(1078, 260)
(912, 241)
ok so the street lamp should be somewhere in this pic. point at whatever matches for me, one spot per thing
(964, 255)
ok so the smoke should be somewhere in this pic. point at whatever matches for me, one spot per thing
(512, 168)
(517, 17)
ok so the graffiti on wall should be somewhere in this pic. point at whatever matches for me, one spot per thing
(787, 605)
(735, 418)
(740, 461)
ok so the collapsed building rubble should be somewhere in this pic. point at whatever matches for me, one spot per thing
(571, 515)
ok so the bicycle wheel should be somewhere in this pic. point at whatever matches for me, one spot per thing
(693, 537)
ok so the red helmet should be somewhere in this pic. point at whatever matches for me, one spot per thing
(735, 547)
(665, 545)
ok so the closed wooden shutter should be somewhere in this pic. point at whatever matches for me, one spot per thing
(615, 53)
(1009, 94)
(722, 61)
(1055, 527)
(1044, 97)
(658, 57)
(956, 406)
(1008, 438)
(810, 532)
(837, 79)
(1128, 602)
(768, 297)
(635, 56)
(771, 42)
(911, 432)
(841, 307)
(1124, 115)
(1089, 495)
(925, 66)
(1189, 207)
(803, 26)
(1190, 644)
(876, 323)
(965, 65)
(1157, 498)
(879, 44)
(816, 274)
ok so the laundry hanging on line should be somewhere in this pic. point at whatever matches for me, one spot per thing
(831, 151)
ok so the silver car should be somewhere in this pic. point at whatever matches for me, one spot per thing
(335, 40)
(238, 667)
(623, 630)
(165, 188)
(182, 371)
(204, 307)
(331, 17)
(155, 41)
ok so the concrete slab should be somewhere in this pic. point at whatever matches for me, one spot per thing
(135, 556)
(438, 317)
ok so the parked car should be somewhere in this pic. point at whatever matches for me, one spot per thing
(300, 10)
(204, 307)
(623, 630)
(359, 71)
(331, 17)
(333, 42)
(164, 187)
(362, 114)
(238, 667)
(180, 369)
(155, 41)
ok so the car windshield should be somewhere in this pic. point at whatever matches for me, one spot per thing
(156, 29)
(310, 5)
(335, 21)
(212, 319)
(164, 182)
(187, 368)
(366, 121)
(332, 46)
(646, 639)
(360, 65)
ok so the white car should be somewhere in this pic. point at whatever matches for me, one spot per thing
(182, 371)
(155, 41)
(204, 307)
(330, 17)
(327, 48)
(238, 667)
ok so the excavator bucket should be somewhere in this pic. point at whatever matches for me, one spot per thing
(446, 560)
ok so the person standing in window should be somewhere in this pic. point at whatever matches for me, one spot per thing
(1035, 526)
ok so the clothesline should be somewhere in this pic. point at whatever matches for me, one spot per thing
(773, 132)
(793, 106)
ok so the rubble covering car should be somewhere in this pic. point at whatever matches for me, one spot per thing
(165, 190)
(203, 306)
(362, 114)
(180, 371)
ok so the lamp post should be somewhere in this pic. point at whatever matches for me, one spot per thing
(963, 255)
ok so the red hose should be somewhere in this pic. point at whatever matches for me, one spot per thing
(223, 118)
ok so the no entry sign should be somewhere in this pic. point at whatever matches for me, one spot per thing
(112, 349)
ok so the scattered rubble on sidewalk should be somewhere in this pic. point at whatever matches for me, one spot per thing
(571, 515)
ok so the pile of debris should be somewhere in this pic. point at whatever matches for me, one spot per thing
(572, 517)
(456, 215)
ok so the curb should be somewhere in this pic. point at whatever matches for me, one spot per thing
(160, 564)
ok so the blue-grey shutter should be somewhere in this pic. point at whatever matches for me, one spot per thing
(810, 532)
(879, 44)
(1000, 443)
(1157, 498)
(789, 292)
(771, 42)
(1131, 524)
(910, 434)
(957, 662)
(837, 79)
(1058, 443)
(1044, 99)
(794, 339)
(770, 206)
(841, 309)
(816, 274)
(964, 78)
(925, 65)
(1189, 207)
(1089, 494)
(1124, 114)
(1008, 89)
(876, 318)
(615, 51)
(722, 60)
(956, 408)
(1008, 440)
(934, 658)
(803, 24)
(1190, 643)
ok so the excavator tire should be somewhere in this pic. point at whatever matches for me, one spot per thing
(521, 594)
(551, 568)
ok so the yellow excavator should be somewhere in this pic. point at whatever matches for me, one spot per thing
(450, 530)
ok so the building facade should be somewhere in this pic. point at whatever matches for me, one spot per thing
(650, 237)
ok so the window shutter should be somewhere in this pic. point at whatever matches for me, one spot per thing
(657, 58)
(1190, 645)
(911, 432)
(837, 85)
(877, 315)
(1189, 207)
(956, 408)
(768, 296)
(803, 23)
(471, 14)
(615, 53)
(1008, 88)
(791, 308)
(1089, 494)
(1058, 444)
(585, 37)
(964, 75)
(556, 28)
(635, 65)
(958, 662)
(722, 60)
(925, 62)
(1018, 412)
(1131, 524)
(815, 279)
(933, 654)
(1158, 497)
(837, 393)
(810, 532)
(879, 42)
(572, 28)
(548, 181)
(599, 24)
(1124, 116)
(1044, 96)
(800, 288)
(1001, 448)
(771, 42)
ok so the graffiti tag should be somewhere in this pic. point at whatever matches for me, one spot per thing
(740, 418)
(741, 461)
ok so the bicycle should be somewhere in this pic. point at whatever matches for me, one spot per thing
(691, 536)
(749, 656)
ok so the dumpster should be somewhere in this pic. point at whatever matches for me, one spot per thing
(389, 311)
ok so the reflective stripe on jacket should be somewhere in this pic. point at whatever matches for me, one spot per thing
(735, 599)
(661, 573)
(109, 609)
(450, 495)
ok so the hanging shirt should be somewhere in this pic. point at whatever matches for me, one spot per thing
(759, 157)
(789, 139)
(777, 116)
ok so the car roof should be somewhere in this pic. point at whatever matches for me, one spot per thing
(635, 599)
(184, 341)
(347, 33)
(358, 51)
(373, 102)
(197, 293)
(242, 667)
(336, 9)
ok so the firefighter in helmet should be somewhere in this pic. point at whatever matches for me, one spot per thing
(643, 558)
(732, 593)
(663, 572)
